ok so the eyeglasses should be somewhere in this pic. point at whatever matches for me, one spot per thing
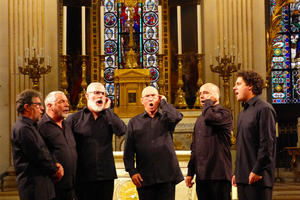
(150, 96)
(39, 104)
(97, 92)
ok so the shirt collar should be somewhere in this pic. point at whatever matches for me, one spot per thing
(145, 114)
(28, 120)
(250, 102)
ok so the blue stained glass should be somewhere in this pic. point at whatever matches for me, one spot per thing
(117, 37)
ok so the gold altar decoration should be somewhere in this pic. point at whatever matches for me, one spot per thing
(225, 68)
(34, 66)
(131, 62)
(126, 190)
(82, 99)
(294, 152)
(197, 103)
(273, 32)
(131, 83)
(102, 66)
(161, 82)
(180, 94)
(64, 81)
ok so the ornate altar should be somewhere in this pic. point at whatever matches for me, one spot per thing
(130, 83)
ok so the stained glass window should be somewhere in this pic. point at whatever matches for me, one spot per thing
(145, 36)
(286, 57)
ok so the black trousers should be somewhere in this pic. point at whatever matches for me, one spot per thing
(213, 189)
(251, 192)
(98, 190)
(65, 194)
(160, 191)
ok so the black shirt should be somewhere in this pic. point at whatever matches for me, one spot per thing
(33, 163)
(61, 143)
(151, 141)
(94, 143)
(211, 157)
(256, 142)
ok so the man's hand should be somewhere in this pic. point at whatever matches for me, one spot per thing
(107, 103)
(254, 178)
(233, 181)
(59, 173)
(162, 97)
(189, 181)
(137, 180)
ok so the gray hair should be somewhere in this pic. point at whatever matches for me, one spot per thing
(51, 98)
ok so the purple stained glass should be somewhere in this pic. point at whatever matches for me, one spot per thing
(280, 87)
(110, 47)
(280, 59)
(150, 18)
(110, 19)
(109, 75)
(109, 6)
(151, 46)
(154, 74)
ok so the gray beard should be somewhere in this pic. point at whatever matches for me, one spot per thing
(92, 105)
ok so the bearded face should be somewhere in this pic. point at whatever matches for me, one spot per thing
(96, 98)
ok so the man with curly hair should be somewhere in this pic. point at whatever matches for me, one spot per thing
(256, 140)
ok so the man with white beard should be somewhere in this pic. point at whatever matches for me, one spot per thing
(93, 128)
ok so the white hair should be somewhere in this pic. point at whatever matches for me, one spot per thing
(149, 90)
(214, 89)
(91, 86)
(51, 98)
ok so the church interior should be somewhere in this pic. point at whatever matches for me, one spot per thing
(173, 45)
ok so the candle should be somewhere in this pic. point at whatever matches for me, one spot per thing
(160, 27)
(199, 28)
(217, 51)
(26, 52)
(102, 30)
(83, 29)
(179, 29)
(64, 42)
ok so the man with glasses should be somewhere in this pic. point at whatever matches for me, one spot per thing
(150, 139)
(60, 141)
(34, 165)
(93, 128)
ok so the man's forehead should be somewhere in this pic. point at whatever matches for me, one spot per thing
(149, 90)
(204, 88)
(98, 87)
(60, 96)
(36, 99)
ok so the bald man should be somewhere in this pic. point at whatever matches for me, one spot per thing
(93, 128)
(210, 158)
(150, 139)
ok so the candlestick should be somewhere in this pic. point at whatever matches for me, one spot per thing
(199, 28)
(102, 30)
(179, 29)
(64, 42)
(83, 29)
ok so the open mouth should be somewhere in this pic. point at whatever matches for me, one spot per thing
(151, 104)
(99, 102)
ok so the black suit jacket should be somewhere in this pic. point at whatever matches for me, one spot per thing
(33, 162)
(94, 143)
